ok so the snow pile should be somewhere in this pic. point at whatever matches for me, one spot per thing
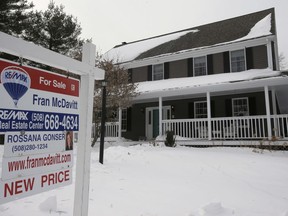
(189, 82)
(131, 50)
(160, 181)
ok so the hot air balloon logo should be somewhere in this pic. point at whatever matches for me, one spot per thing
(16, 82)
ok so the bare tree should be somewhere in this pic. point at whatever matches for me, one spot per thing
(120, 91)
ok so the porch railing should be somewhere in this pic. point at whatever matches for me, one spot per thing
(235, 128)
(111, 129)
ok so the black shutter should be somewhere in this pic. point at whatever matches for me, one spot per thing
(252, 106)
(130, 77)
(226, 59)
(210, 64)
(249, 58)
(190, 67)
(166, 70)
(129, 118)
(191, 110)
(273, 55)
(149, 78)
(228, 107)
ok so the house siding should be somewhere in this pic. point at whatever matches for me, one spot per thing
(218, 63)
(178, 69)
(260, 57)
(139, 74)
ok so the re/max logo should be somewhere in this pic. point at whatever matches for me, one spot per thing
(13, 115)
(12, 74)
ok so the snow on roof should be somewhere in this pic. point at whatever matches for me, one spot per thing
(130, 51)
(261, 28)
(189, 82)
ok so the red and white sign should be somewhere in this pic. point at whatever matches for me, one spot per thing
(39, 118)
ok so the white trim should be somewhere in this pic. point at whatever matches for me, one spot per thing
(240, 98)
(267, 103)
(29, 50)
(269, 54)
(230, 60)
(206, 66)
(163, 72)
(209, 115)
(200, 51)
(198, 102)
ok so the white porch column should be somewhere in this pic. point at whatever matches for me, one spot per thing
(209, 116)
(268, 112)
(274, 107)
(119, 123)
(269, 54)
(160, 116)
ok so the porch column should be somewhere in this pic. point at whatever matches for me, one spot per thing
(269, 54)
(274, 107)
(160, 116)
(268, 112)
(209, 116)
(120, 123)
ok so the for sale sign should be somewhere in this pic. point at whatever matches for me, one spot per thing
(39, 116)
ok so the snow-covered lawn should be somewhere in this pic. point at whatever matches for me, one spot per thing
(144, 180)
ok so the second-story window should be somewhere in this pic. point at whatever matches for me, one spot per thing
(238, 61)
(200, 66)
(158, 72)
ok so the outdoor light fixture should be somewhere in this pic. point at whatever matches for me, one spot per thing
(103, 116)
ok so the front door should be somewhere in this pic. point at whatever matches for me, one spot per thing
(152, 120)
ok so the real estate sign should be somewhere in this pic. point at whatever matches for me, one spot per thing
(39, 114)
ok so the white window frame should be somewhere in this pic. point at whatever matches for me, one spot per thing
(195, 109)
(194, 70)
(245, 62)
(247, 111)
(153, 72)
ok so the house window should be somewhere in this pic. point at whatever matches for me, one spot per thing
(240, 107)
(158, 72)
(200, 109)
(124, 120)
(200, 66)
(238, 61)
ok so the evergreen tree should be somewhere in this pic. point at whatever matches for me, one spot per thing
(14, 15)
(55, 30)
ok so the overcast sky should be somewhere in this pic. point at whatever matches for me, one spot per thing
(110, 22)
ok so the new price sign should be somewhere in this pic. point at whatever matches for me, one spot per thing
(39, 114)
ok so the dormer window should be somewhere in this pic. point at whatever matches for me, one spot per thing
(158, 72)
(238, 62)
(200, 66)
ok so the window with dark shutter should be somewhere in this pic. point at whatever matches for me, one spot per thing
(210, 64)
(149, 78)
(166, 70)
(226, 59)
(190, 67)
(249, 58)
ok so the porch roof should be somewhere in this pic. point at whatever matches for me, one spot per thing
(217, 84)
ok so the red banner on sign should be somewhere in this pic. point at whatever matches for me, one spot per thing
(41, 80)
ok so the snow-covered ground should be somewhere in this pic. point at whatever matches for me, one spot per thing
(144, 180)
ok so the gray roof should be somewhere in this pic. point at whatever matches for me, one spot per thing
(209, 34)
